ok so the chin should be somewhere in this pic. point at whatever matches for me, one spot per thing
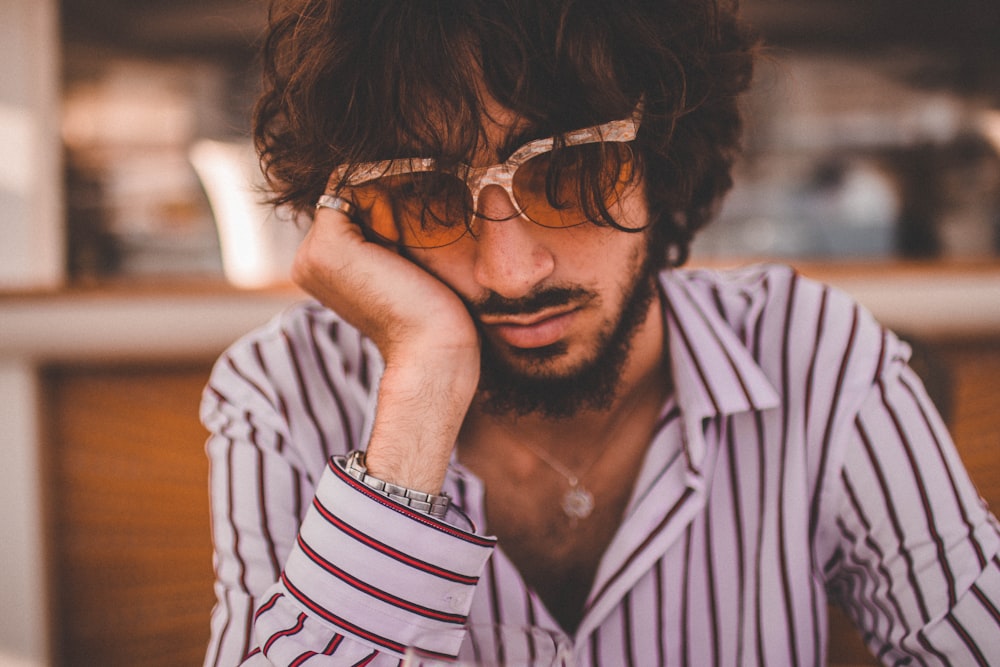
(561, 380)
(559, 361)
(545, 382)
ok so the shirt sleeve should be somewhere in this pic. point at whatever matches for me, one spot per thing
(917, 567)
(365, 577)
(309, 563)
(258, 495)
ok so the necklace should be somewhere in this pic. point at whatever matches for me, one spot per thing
(577, 502)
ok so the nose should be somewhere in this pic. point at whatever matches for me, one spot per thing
(510, 259)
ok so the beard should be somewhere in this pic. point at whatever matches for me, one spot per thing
(506, 389)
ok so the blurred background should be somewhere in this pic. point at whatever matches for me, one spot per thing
(135, 248)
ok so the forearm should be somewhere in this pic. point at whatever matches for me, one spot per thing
(420, 412)
(423, 331)
(366, 573)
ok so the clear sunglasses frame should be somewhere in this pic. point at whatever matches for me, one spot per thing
(502, 173)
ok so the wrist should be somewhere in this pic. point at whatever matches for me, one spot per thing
(435, 505)
(419, 415)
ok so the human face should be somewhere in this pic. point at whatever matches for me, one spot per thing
(558, 308)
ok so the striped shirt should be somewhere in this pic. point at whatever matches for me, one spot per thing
(799, 461)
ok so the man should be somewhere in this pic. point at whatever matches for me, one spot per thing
(507, 405)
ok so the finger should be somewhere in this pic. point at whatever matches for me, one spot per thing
(336, 203)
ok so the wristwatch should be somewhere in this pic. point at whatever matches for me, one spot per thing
(428, 503)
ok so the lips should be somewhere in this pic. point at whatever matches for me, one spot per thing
(536, 330)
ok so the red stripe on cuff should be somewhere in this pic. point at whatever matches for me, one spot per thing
(378, 593)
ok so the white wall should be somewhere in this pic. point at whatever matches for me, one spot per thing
(31, 256)
(31, 218)
(23, 626)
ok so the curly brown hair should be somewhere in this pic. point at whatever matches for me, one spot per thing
(348, 81)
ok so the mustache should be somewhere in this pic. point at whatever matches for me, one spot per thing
(495, 304)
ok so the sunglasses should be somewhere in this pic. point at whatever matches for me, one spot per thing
(547, 179)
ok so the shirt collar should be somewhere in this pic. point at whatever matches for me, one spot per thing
(713, 371)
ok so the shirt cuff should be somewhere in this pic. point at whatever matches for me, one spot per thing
(376, 569)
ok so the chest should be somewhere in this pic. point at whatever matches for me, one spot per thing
(557, 555)
(714, 571)
(722, 566)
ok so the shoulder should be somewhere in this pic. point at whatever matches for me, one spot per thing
(304, 346)
(770, 295)
(744, 291)
(790, 322)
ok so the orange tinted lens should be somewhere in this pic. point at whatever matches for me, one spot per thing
(556, 189)
(426, 209)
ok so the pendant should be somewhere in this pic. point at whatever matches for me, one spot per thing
(578, 503)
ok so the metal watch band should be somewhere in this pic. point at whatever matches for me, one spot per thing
(428, 503)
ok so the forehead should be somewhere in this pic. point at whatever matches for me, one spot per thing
(485, 133)
(503, 132)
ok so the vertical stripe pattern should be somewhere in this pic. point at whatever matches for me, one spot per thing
(799, 462)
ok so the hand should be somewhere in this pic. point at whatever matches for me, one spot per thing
(421, 327)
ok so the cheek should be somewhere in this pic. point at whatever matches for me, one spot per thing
(604, 253)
